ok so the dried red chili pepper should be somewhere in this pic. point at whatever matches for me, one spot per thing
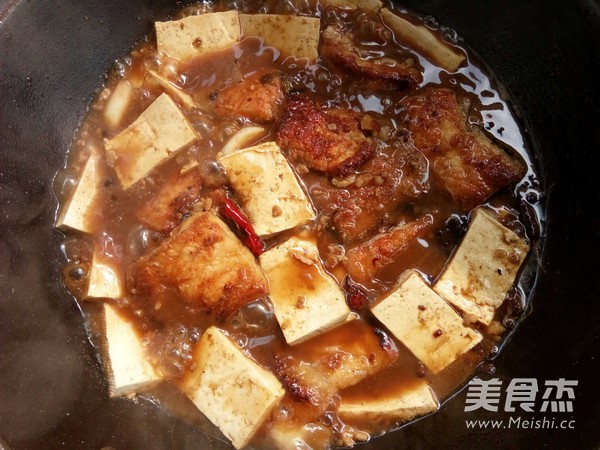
(356, 298)
(230, 211)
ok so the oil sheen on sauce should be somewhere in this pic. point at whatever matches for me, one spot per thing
(172, 328)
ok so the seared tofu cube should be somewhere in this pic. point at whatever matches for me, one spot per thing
(105, 281)
(154, 137)
(271, 195)
(402, 404)
(296, 36)
(307, 299)
(198, 35)
(123, 355)
(231, 390)
(483, 269)
(74, 213)
(425, 323)
(204, 263)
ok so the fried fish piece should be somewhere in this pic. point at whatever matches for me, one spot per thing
(328, 140)
(381, 186)
(175, 198)
(203, 263)
(258, 97)
(373, 255)
(465, 163)
(314, 371)
(339, 48)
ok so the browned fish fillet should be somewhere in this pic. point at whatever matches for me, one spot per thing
(175, 198)
(385, 73)
(314, 371)
(258, 98)
(465, 163)
(202, 262)
(381, 186)
(370, 257)
(328, 140)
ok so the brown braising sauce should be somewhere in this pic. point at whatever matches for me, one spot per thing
(171, 328)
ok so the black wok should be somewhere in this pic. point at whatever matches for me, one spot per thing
(53, 55)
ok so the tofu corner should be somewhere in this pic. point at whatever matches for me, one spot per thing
(304, 307)
(483, 268)
(156, 135)
(104, 281)
(224, 376)
(74, 215)
(425, 323)
(123, 356)
(272, 197)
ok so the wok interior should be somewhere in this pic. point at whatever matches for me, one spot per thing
(52, 385)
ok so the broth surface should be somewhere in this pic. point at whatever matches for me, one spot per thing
(170, 328)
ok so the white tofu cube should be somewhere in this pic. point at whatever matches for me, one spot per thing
(154, 137)
(104, 281)
(425, 323)
(117, 104)
(296, 36)
(75, 211)
(401, 405)
(198, 35)
(231, 390)
(123, 355)
(423, 40)
(483, 269)
(307, 300)
(270, 192)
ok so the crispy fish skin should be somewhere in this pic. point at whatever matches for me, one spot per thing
(357, 211)
(367, 259)
(175, 198)
(465, 163)
(326, 140)
(314, 371)
(258, 98)
(204, 263)
(386, 73)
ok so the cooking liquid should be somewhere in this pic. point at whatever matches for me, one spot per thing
(172, 328)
